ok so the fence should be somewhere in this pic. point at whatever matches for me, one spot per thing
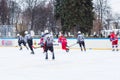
(92, 43)
(7, 31)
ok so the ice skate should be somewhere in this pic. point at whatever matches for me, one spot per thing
(117, 49)
(46, 57)
(53, 57)
(67, 50)
(113, 49)
(20, 49)
(32, 52)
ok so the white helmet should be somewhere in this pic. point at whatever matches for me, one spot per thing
(46, 31)
(79, 32)
(18, 34)
(26, 32)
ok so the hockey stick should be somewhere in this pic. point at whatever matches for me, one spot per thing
(35, 47)
(72, 45)
(68, 47)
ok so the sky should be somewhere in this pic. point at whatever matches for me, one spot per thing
(115, 5)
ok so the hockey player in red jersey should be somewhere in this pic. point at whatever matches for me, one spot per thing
(42, 43)
(63, 42)
(114, 40)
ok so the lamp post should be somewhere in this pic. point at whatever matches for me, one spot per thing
(118, 23)
(108, 23)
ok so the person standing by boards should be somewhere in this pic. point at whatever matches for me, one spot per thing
(114, 40)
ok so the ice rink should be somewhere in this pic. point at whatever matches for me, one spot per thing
(75, 65)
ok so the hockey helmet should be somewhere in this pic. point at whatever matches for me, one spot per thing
(79, 32)
(46, 31)
(18, 34)
(26, 32)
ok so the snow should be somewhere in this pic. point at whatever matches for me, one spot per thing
(75, 65)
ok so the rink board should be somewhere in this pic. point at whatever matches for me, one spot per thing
(91, 43)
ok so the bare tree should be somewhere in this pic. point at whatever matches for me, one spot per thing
(3, 12)
(14, 13)
(102, 10)
(9, 11)
(39, 16)
(30, 5)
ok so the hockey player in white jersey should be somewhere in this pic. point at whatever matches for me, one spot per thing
(48, 41)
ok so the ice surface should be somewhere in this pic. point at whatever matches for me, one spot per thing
(75, 65)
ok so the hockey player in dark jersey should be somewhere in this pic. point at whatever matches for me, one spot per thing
(21, 41)
(80, 41)
(29, 40)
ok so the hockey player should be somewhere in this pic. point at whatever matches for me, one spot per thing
(41, 43)
(63, 42)
(114, 40)
(29, 40)
(21, 41)
(80, 41)
(48, 40)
